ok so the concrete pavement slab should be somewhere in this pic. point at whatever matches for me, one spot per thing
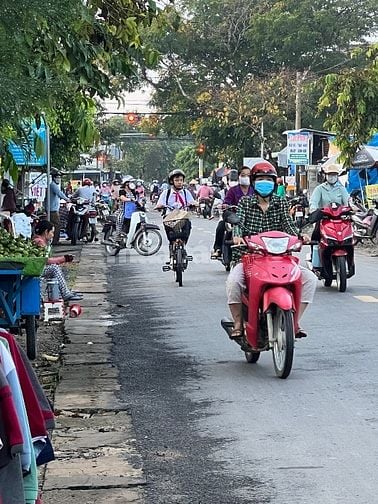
(87, 358)
(98, 496)
(100, 347)
(108, 468)
(82, 338)
(69, 385)
(88, 400)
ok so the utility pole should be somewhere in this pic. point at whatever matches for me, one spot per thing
(262, 140)
(200, 168)
(298, 101)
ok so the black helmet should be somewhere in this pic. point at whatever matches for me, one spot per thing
(175, 173)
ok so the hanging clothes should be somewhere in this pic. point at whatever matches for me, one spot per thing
(11, 477)
(28, 459)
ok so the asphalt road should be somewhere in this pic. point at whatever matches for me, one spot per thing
(214, 429)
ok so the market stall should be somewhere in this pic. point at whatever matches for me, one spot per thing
(21, 264)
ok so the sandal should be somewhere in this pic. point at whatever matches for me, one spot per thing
(236, 333)
(301, 334)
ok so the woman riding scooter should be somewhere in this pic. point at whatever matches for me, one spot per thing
(129, 203)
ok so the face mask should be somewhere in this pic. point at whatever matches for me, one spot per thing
(332, 179)
(244, 181)
(264, 187)
(233, 183)
(132, 186)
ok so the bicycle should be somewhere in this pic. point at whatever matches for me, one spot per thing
(177, 235)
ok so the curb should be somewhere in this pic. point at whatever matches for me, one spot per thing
(94, 442)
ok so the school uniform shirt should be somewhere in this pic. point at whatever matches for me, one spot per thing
(176, 199)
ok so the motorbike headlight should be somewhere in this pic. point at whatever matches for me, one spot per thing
(276, 245)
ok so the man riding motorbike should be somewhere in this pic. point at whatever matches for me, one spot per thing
(233, 196)
(264, 211)
(176, 198)
(87, 191)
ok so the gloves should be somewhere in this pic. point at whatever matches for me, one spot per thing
(68, 257)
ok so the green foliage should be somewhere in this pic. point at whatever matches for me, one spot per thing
(56, 56)
(230, 65)
(351, 101)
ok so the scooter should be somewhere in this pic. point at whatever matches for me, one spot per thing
(297, 209)
(333, 257)
(230, 219)
(78, 219)
(271, 299)
(205, 207)
(365, 223)
(143, 236)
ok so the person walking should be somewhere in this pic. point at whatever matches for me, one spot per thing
(55, 196)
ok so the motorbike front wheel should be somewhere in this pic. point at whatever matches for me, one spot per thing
(75, 233)
(114, 249)
(283, 346)
(148, 242)
(179, 267)
(92, 232)
(341, 273)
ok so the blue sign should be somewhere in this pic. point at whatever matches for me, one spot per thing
(24, 154)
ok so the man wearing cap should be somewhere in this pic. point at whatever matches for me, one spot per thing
(55, 196)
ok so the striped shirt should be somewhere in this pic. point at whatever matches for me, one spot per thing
(253, 220)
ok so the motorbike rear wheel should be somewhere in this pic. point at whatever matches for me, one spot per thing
(91, 232)
(341, 273)
(283, 346)
(148, 242)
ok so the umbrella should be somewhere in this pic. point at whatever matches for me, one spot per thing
(367, 157)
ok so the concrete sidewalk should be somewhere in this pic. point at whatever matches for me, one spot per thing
(94, 441)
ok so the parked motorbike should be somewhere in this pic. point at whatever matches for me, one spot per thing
(103, 210)
(365, 222)
(78, 220)
(271, 299)
(333, 257)
(143, 236)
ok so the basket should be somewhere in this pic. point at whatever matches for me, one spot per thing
(175, 225)
(31, 266)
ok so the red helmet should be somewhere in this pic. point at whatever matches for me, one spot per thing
(263, 168)
(87, 181)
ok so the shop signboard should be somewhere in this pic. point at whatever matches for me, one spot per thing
(298, 147)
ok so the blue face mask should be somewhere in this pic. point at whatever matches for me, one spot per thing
(264, 187)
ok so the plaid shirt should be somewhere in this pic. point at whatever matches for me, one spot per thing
(253, 220)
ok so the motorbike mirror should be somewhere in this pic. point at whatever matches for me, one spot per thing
(217, 195)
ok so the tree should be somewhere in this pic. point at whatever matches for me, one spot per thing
(63, 55)
(230, 65)
(351, 101)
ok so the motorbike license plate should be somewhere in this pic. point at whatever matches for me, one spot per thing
(298, 214)
(92, 220)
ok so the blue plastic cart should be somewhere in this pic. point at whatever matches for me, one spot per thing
(20, 304)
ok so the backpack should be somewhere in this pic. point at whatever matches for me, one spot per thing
(169, 193)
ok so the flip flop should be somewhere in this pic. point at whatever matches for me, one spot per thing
(236, 333)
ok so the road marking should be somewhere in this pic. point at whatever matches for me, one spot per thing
(367, 299)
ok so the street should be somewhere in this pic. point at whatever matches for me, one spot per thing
(212, 428)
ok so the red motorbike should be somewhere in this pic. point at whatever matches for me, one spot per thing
(333, 257)
(271, 299)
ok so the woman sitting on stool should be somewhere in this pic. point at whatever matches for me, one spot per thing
(44, 233)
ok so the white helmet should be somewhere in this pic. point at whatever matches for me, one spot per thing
(127, 178)
(332, 168)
